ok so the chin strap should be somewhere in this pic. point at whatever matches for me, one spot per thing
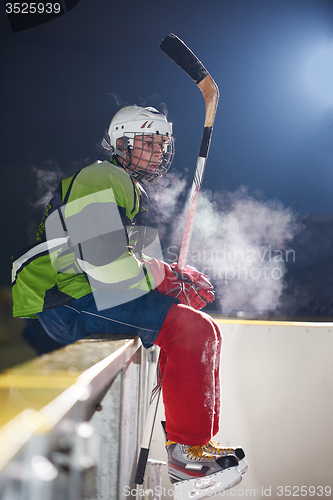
(117, 152)
(113, 151)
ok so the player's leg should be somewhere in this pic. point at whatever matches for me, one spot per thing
(191, 346)
(80, 318)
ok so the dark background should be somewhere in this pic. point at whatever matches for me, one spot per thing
(62, 81)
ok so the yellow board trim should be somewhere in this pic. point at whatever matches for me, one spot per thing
(256, 322)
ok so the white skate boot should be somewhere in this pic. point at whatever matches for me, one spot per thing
(197, 474)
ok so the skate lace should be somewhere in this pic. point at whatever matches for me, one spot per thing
(214, 447)
(198, 453)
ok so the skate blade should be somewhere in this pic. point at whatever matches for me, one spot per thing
(242, 466)
(207, 486)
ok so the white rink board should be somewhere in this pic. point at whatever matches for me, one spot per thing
(277, 395)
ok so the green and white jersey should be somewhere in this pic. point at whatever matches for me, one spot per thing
(87, 240)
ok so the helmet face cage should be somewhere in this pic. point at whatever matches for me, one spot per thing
(141, 139)
(149, 155)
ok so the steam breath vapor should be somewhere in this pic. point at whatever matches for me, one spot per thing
(165, 110)
(47, 182)
(165, 202)
(142, 102)
(239, 241)
(119, 102)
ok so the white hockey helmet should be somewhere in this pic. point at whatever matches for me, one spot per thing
(134, 121)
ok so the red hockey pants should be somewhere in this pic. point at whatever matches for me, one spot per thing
(190, 343)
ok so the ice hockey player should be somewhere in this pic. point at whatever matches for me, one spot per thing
(89, 273)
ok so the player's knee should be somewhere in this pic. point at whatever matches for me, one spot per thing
(188, 327)
(217, 330)
(200, 329)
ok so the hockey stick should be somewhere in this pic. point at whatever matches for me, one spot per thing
(176, 49)
(149, 427)
(173, 47)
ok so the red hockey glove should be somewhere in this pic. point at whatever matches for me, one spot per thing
(190, 286)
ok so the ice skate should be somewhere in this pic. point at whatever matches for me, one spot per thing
(197, 474)
(214, 448)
